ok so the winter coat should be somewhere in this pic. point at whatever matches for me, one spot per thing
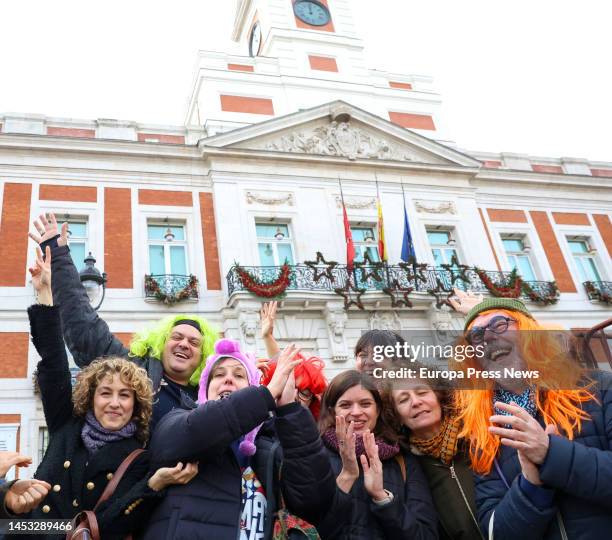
(78, 479)
(578, 475)
(452, 490)
(354, 516)
(210, 505)
(86, 335)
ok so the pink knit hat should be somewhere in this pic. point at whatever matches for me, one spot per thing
(229, 348)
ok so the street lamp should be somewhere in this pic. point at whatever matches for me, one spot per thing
(92, 280)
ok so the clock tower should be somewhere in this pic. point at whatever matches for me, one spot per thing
(298, 54)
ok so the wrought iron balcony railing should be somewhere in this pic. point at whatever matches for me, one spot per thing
(171, 288)
(403, 276)
(599, 290)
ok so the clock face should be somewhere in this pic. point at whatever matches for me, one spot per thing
(311, 12)
(255, 40)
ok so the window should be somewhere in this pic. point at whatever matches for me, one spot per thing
(77, 240)
(167, 249)
(442, 246)
(274, 244)
(518, 257)
(365, 241)
(43, 442)
(584, 259)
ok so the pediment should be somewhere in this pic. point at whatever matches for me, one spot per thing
(340, 130)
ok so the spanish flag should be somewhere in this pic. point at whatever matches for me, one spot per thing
(382, 251)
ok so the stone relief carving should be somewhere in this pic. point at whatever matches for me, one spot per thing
(253, 197)
(434, 207)
(340, 139)
(356, 204)
(388, 320)
(248, 325)
(336, 322)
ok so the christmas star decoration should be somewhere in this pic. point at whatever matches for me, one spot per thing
(347, 293)
(414, 271)
(395, 291)
(370, 269)
(457, 271)
(321, 268)
(441, 293)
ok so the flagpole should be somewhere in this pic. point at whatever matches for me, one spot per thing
(414, 266)
(347, 233)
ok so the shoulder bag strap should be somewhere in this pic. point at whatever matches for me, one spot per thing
(112, 485)
(402, 464)
(84, 521)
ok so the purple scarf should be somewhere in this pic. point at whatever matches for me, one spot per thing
(95, 436)
(385, 450)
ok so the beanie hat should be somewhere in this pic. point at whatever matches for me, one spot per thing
(511, 304)
(229, 348)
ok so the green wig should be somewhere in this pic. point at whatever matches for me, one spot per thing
(152, 341)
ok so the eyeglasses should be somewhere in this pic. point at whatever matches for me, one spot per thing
(304, 395)
(497, 325)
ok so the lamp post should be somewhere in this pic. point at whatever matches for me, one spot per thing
(92, 280)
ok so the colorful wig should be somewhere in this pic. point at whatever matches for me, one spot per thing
(560, 393)
(308, 376)
(153, 340)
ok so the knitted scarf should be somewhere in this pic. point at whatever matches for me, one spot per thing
(526, 400)
(442, 446)
(95, 436)
(385, 450)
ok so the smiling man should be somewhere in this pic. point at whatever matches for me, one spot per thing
(173, 351)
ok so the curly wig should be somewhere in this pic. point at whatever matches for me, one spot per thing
(153, 340)
(133, 376)
(562, 388)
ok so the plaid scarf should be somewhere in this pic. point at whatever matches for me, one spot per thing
(442, 446)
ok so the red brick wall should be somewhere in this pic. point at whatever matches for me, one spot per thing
(506, 216)
(50, 192)
(118, 237)
(322, 63)
(162, 138)
(400, 85)
(605, 229)
(412, 121)
(211, 251)
(567, 218)
(166, 198)
(240, 67)
(329, 27)
(555, 169)
(491, 164)
(484, 224)
(124, 337)
(246, 104)
(14, 229)
(602, 172)
(553, 252)
(71, 132)
(14, 346)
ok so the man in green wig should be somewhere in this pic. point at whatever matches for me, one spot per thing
(173, 352)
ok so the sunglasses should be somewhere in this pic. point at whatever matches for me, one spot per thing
(497, 325)
(304, 395)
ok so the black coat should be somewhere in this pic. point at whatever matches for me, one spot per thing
(353, 516)
(87, 335)
(78, 479)
(209, 507)
(579, 472)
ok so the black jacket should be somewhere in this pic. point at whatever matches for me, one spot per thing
(353, 516)
(210, 505)
(78, 479)
(579, 472)
(87, 335)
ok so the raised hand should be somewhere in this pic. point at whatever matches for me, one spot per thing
(289, 394)
(41, 271)
(178, 474)
(285, 365)
(46, 227)
(462, 302)
(24, 495)
(372, 468)
(268, 315)
(9, 459)
(346, 448)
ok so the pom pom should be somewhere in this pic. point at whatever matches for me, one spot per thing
(227, 346)
(247, 447)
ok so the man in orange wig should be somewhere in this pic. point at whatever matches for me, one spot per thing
(541, 447)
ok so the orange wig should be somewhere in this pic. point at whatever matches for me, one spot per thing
(560, 393)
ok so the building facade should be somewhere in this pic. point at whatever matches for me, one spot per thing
(272, 142)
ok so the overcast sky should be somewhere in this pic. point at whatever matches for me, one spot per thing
(530, 76)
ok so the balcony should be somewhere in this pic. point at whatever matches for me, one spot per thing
(599, 290)
(399, 278)
(171, 288)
